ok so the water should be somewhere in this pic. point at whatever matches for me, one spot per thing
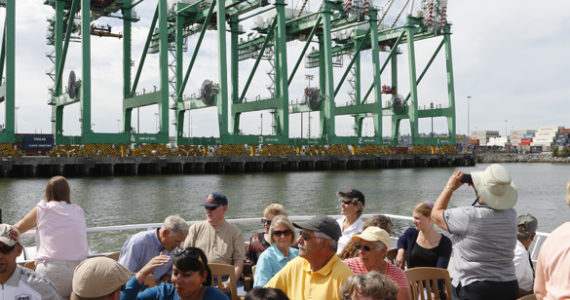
(132, 200)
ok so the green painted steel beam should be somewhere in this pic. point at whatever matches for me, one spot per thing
(9, 86)
(142, 100)
(145, 50)
(255, 105)
(356, 109)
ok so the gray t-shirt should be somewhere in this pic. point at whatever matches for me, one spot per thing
(483, 243)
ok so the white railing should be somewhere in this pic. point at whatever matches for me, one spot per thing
(533, 250)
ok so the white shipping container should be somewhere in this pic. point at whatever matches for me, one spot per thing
(548, 128)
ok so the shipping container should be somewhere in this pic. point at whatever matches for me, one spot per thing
(474, 142)
(565, 130)
(37, 142)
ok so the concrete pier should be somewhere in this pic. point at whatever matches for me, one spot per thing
(134, 166)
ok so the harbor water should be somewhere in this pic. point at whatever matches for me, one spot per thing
(149, 199)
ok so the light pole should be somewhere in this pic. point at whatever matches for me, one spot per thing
(506, 133)
(156, 121)
(261, 124)
(468, 132)
(16, 119)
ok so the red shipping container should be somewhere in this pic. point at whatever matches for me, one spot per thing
(474, 142)
(565, 130)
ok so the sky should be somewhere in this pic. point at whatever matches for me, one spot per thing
(510, 57)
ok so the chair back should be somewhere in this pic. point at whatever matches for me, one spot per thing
(528, 297)
(391, 256)
(423, 282)
(220, 270)
(149, 281)
(30, 265)
(114, 255)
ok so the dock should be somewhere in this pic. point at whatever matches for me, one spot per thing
(21, 167)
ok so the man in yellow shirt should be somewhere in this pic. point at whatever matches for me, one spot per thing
(317, 273)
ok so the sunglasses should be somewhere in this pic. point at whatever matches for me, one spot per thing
(358, 246)
(287, 232)
(265, 221)
(305, 235)
(346, 202)
(189, 252)
(7, 249)
(211, 208)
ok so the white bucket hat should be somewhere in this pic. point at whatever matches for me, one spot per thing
(495, 187)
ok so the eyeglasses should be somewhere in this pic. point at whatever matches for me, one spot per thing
(364, 247)
(7, 249)
(346, 202)
(265, 221)
(211, 207)
(304, 235)
(287, 232)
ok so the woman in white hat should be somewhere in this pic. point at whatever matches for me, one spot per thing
(483, 235)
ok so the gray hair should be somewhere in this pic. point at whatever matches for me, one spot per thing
(176, 225)
(333, 245)
(372, 284)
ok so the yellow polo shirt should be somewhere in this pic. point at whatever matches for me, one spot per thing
(298, 281)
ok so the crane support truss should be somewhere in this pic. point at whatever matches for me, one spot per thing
(227, 18)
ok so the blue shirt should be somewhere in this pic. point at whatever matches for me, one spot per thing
(140, 248)
(165, 291)
(269, 263)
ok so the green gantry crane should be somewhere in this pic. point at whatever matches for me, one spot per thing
(169, 31)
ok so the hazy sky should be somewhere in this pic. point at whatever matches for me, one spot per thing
(511, 57)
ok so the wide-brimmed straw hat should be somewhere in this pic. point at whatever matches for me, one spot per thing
(495, 187)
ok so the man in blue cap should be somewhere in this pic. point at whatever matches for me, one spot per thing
(221, 242)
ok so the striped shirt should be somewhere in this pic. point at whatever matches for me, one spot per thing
(393, 272)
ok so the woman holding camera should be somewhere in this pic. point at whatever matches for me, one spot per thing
(483, 235)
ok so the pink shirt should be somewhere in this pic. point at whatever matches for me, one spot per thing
(357, 266)
(61, 232)
(554, 256)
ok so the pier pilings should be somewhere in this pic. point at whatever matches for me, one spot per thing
(135, 166)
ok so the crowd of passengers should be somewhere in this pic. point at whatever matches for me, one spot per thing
(320, 258)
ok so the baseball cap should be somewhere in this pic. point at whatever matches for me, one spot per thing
(354, 194)
(324, 224)
(527, 224)
(9, 235)
(215, 200)
(98, 277)
(374, 234)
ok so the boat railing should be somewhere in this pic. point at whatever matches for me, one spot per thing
(533, 249)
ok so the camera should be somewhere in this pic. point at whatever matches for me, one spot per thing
(466, 179)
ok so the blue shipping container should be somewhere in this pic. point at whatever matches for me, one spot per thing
(37, 142)
(528, 136)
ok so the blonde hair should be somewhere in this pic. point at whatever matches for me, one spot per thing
(282, 220)
(274, 209)
(424, 209)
